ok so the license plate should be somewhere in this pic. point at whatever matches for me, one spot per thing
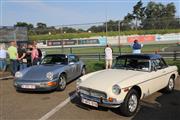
(88, 102)
(28, 86)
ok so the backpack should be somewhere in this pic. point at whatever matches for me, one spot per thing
(39, 53)
(136, 46)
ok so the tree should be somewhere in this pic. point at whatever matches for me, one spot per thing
(152, 16)
(126, 23)
(159, 16)
(138, 13)
(24, 24)
(41, 25)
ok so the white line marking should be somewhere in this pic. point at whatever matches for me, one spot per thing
(8, 77)
(58, 107)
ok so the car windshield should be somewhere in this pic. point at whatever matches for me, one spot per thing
(132, 64)
(54, 59)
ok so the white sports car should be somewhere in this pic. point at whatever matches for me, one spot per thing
(132, 78)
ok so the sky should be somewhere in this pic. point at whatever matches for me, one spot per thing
(65, 12)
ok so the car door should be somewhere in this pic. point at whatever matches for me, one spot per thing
(72, 62)
(158, 75)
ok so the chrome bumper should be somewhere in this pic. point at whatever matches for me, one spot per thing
(39, 86)
(101, 101)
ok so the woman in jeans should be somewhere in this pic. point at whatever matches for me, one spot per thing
(34, 55)
(3, 56)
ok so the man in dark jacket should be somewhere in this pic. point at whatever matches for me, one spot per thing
(136, 47)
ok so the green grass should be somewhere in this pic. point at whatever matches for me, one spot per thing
(86, 35)
(177, 63)
(93, 66)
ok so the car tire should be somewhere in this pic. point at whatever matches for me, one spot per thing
(62, 83)
(171, 84)
(130, 104)
(83, 71)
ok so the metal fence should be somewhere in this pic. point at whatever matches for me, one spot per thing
(99, 56)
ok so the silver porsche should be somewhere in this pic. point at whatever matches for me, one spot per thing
(53, 73)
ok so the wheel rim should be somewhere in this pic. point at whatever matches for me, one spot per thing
(62, 82)
(171, 84)
(83, 71)
(133, 101)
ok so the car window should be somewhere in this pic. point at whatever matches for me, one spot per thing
(158, 64)
(54, 60)
(134, 64)
(120, 63)
(73, 58)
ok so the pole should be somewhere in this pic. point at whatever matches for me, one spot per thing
(106, 26)
(119, 39)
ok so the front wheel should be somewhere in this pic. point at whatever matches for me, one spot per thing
(170, 87)
(62, 83)
(130, 104)
(83, 71)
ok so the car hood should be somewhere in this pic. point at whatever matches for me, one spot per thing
(38, 72)
(107, 78)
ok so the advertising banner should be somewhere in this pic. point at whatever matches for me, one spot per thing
(168, 37)
(60, 42)
(141, 38)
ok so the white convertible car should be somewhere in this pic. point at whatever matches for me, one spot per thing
(132, 78)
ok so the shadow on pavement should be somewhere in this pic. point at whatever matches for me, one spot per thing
(166, 108)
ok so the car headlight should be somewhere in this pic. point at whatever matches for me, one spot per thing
(116, 89)
(49, 75)
(18, 74)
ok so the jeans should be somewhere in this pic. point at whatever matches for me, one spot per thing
(22, 66)
(2, 64)
(35, 61)
(14, 66)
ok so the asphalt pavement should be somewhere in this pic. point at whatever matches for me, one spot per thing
(62, 106)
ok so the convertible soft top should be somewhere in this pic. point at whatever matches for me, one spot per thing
(141, 56)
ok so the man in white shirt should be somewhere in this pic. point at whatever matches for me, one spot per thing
(108, 56)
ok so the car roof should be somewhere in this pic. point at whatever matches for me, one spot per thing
(141, 56)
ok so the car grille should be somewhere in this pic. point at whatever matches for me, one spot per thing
(91, 92)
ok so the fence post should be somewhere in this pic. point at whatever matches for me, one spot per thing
(99, 56)
(175, 55)
(71, 50)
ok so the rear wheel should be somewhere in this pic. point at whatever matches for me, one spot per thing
(62, 82)
(130, 104)
(171, 84)
(83, 71)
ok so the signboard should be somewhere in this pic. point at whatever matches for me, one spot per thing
(141, 38)
(168, 37)
(60, 42)
(88, 41)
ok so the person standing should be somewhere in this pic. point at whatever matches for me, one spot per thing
(13, 55)
(28, 55)
(3, 57)
(108, 56)
(22, 57)
(34, 55)
(136, 46)
(39, 51)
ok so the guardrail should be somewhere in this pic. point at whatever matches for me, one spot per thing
(99, 56)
